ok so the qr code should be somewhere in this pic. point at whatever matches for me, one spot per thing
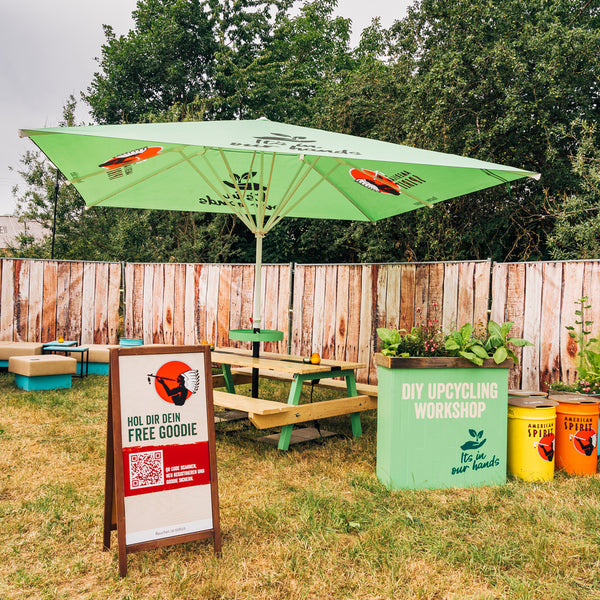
(146, 469)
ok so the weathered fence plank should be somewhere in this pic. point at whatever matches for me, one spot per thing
(113, 303)
(63, 301)
(530, 355)
(21, 298)
(550, 323)
(35, 294)
(366, 331)
(7, 297)
(49, 300)
(168, 303)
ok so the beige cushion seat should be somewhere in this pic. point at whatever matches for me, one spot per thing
(99, 353)
(8, 349)
(48, 364)
(45, 372)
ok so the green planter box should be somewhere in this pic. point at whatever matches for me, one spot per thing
(441, 422)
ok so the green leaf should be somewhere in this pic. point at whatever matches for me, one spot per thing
(519, 342)
(472, 357)
(451, 344)
(479, 351)
(495, 341)
(388, 336)
(466, 331)
(494, 329)
(500, 355)
(505, 329)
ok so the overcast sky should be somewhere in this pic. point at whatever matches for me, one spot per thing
(47, 51)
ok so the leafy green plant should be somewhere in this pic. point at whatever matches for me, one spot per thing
(424, 339)
(464, 343)
(497, 344)
(419, 341)
(467, 342)
(588, 355)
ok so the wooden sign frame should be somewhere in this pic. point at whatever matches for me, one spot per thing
(161, 469)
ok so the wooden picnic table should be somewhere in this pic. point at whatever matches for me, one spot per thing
(266, 414)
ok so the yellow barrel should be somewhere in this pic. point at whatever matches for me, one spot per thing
(531, 427)
(576, 434)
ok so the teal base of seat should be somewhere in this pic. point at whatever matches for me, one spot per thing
(94, 368)
(3, 363)
(43, 382)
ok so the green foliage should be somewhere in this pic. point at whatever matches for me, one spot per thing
(466, 78)
(498, 343)
(576, 233)
(419, 341)
(468, 342)
(464, 343)
(516, 86)
(588, 356)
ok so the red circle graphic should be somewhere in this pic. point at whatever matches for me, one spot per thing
(169, 382)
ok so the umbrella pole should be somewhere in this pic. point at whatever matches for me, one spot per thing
(256, 314)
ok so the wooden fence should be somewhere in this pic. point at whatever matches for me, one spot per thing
(191, 303)
(331, 309)
(42, 300)
(541, 300)
(338, 308)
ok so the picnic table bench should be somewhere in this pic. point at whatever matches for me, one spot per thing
(265, 414)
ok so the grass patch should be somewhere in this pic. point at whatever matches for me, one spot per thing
(311, 523)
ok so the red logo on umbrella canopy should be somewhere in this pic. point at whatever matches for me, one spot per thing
(375, 181)
(131, 157)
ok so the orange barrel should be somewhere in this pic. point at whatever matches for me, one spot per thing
(576, 434)
(531, 427)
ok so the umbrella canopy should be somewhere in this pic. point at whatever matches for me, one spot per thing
(259, 170)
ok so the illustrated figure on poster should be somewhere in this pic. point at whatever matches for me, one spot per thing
(183, 384)
(178, 394)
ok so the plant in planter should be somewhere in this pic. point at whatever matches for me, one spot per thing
(588, 355)
(472, 343)
(419, 341)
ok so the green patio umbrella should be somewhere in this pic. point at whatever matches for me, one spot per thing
(259, 170)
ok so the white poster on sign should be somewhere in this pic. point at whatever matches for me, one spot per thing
(164, 444)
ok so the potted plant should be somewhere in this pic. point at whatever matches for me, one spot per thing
(588, 355)
(442, 405)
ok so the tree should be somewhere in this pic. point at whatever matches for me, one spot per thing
(507, 86)
(500, 85)
(576, 234)
(180, 52)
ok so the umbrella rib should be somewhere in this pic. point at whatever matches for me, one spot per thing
(247, 213)
(244, 217)
(295, 183)
(132, 184)
(324, 177)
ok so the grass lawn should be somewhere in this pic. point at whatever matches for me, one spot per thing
(310, 523)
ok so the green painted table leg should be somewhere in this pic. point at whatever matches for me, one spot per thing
(354, 417)
(228, 379)
(294, 399)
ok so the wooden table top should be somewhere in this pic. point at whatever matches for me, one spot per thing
(283, 363)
